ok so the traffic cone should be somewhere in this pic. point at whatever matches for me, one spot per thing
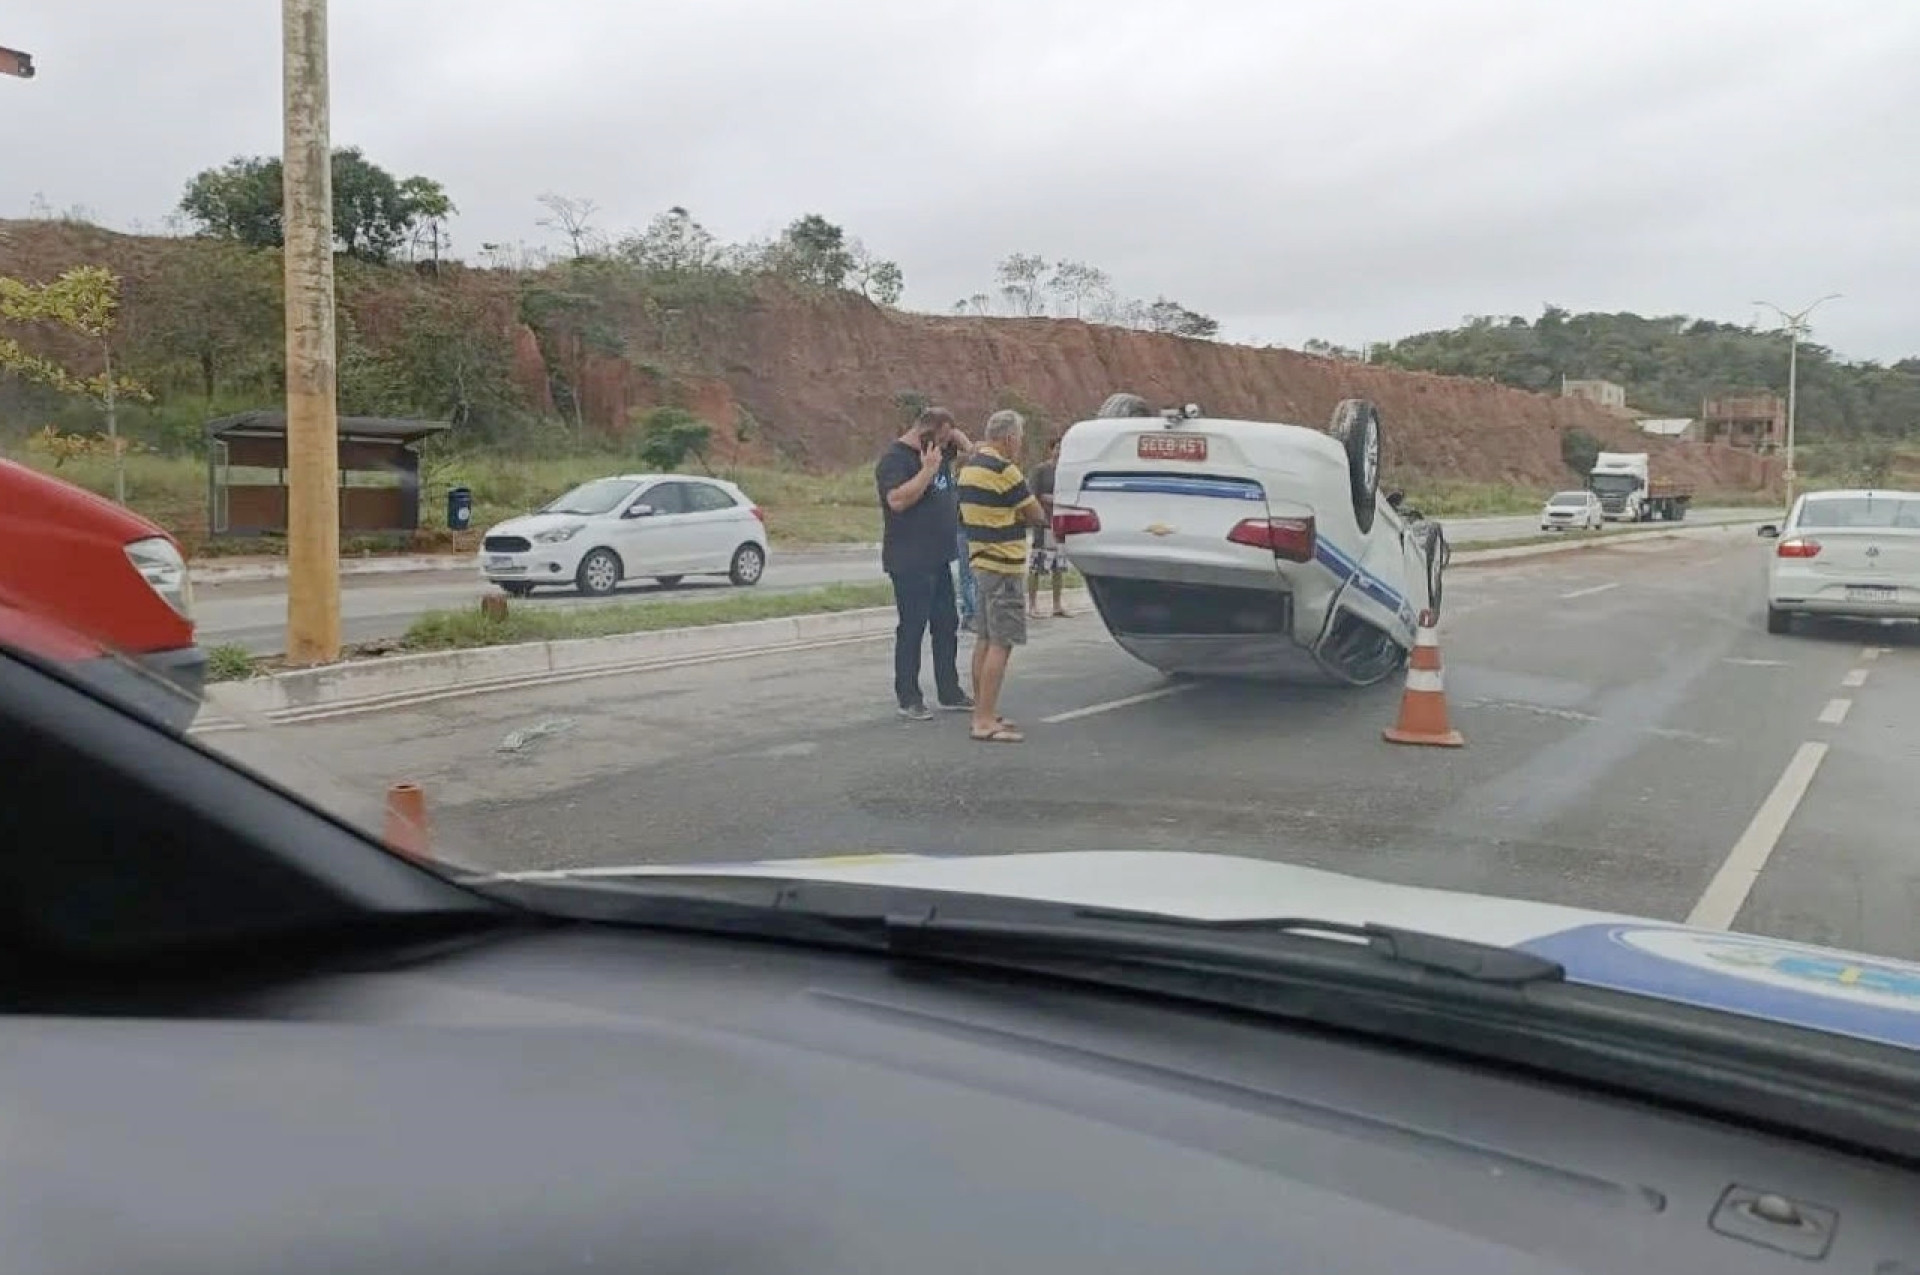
(1423, 707)
(406, 830)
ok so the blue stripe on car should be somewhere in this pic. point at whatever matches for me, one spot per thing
(1349, 570)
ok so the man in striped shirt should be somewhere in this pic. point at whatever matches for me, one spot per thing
(997, 508)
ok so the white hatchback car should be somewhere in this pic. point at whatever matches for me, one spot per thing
(1566, 510)
(1243, 548)
(1845, 553)
(666, 526)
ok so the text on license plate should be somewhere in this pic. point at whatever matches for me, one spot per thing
(1173, 447)
(1871, 593)
(499, 560)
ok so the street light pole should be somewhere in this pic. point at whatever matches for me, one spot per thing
(313, 450)
(1796, 326)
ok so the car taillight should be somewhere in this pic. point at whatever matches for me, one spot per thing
(1071, 521)
(761, 514)
(1798, 547)
(1289, 538)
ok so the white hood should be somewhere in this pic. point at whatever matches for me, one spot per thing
(532, 525)
(1821, 988)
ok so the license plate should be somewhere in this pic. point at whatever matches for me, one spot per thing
(499, 560)
(1871, 593)
(1173, 447)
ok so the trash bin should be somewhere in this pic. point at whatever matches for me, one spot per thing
(459, 508)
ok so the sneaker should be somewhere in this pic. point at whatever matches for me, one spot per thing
(963, 704)
(915, 712)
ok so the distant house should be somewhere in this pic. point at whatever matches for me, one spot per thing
(1604, 393)
(1678, 428)
(1757, 421)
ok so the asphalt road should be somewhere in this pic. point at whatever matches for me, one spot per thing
(1636, 742)
(253, 615)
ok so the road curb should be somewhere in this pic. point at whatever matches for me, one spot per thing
(1572, 544)
(213, 571)
(361, 686)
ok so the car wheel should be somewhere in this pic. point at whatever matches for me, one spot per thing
(1123, 405)
(667, 582)
(599, 574)
(1356, 427)
(1779, 621)
(1434, 541)
(749, 560)
(516, 588)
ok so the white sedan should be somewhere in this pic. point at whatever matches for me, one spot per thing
(1845, 553)
(1243, 548)
(634, 526)
(1566, 510)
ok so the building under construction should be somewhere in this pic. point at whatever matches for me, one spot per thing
(1754, 421)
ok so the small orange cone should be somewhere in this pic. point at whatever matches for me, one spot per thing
(406, 831)
(1423, 708)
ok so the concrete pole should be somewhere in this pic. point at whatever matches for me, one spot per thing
(313, 452)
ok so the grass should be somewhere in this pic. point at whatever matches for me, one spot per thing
(227, 663)
(1445, 498)
(451, 630)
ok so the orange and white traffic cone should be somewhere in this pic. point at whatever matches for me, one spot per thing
(1423, 707)
(406, 827)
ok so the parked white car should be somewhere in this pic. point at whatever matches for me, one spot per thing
(1243, 548)
(1566, 510)
(1845, 553)
(632, 526)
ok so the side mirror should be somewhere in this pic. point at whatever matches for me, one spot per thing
(639, 511)
(1769, 532)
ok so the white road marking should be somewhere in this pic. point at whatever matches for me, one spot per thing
(1752, 663)
(1835, 712)
(1855, 677)
(1728, 890)
(1871, 653)
(1587, 593)
(1091, 709)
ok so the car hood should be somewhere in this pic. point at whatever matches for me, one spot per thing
(531, 525)
(1872, 998)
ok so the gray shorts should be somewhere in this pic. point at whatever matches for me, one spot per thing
(1003, 607)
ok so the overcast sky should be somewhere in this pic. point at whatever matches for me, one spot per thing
(1296, 168)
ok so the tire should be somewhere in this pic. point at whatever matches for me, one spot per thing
(1356, 427)
(516, 588)
(1779, 621)
(1434, 542)
(749, 563)
(1123, 405)
(599, 574)
(667, 582)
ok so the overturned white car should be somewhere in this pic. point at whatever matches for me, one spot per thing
(1245, 548)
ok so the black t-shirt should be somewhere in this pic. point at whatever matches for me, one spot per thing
(1041, 482)
(923, 536)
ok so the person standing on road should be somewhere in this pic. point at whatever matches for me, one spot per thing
(997, 508)
(1047, 558)
(915, 482)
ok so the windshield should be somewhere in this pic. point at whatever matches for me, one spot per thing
(1875, 512)
(931, 560)
(598, 497)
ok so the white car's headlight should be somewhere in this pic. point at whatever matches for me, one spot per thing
(161, 566)
(558, 534)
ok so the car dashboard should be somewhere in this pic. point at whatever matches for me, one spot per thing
(613, 1100)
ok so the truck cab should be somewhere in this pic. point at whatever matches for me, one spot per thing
(111, 580)
(1620, 480)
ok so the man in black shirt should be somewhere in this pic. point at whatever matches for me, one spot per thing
(917, 501)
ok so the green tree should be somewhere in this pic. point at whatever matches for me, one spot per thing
(1579, 450)
(1021, 277)
(878, 280)
(373, 213)
(1078, 285)
(212, 309)
(668, 435)
(673, 244)
(1172, 317)
(814, 250)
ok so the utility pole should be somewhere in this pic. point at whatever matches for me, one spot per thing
(1796, 326)
(313, 449)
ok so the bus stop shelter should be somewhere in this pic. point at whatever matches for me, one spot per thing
(379, 474)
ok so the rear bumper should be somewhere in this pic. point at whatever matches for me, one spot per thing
(165, 686)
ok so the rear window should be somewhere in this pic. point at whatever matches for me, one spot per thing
(1838, 513)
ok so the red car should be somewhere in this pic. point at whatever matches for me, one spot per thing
(102, 582)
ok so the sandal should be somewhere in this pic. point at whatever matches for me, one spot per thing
(1001, 734)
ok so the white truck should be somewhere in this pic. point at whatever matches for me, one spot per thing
(1630, 490)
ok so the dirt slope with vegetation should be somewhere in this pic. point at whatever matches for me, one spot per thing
(570, 357)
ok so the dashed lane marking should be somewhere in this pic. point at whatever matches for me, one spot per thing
(1589, 592)
(1731, 885)
(1835, 712)
(1855, 677)
(1092, 709)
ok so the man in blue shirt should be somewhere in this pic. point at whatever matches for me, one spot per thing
(920, 516)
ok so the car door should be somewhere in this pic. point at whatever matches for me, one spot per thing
(714, 528)
(653, 537)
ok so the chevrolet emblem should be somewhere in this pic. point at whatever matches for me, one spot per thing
(1159, 529)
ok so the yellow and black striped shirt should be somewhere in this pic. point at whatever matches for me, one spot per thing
(993, 497)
